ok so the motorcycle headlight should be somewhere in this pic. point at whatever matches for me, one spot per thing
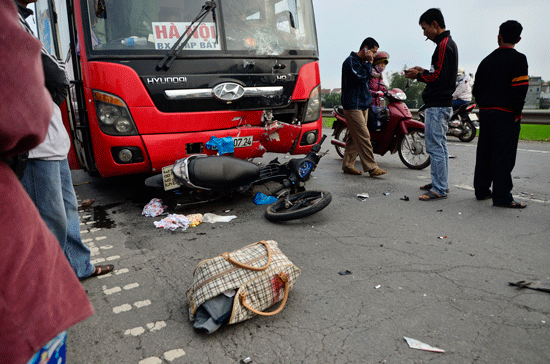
(113, 115)
(305, 169)
(401, 96)
(313, 110)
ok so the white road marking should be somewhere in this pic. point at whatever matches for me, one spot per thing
(116, 272)
(114, 257)
(87, 240)
(101, 238)
(111, 290)
(131, 286)
(106, 247)
(98, 260)
(136, 331)
(141, 304)
(173, 354)
(125, 307)
(156, 326)
(151, 360)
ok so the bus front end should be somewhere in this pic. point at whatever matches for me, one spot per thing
(160, 78)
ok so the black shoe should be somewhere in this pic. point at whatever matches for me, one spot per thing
(512, 205)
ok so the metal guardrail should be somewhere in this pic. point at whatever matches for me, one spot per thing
(541, 117)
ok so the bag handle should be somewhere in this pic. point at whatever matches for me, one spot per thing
(284, 279)
(249, 267)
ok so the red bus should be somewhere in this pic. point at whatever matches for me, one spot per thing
(154, 80)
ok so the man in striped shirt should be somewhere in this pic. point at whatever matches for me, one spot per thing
(500, 87)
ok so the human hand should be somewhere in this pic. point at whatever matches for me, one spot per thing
(369, 55)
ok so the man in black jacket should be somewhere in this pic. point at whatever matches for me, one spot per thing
(500, 87)
(438, 97)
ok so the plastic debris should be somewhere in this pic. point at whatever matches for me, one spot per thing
(415, 344)
(345, 272)
(405, 198)
(452, 156)
(212, 218)
(87, 202)
(386, 193)
(378, 286)
(362, 196)
(222, 145)
(173, 222)
(442, 237)
(154, 208)
(246, 360)
(263, 199)
(194, 219)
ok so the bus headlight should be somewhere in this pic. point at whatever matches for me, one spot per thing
(113, 115)
(313, 109)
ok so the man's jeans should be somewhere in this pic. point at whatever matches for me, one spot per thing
(437, 119)
(50, 186)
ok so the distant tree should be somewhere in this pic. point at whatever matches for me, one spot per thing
(331, 100)
(413, 89)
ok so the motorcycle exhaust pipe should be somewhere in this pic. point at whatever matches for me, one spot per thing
(338, 143)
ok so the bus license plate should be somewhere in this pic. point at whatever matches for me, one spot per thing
(242, 142)
(168, 178)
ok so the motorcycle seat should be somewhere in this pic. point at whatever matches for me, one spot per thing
(222, 172)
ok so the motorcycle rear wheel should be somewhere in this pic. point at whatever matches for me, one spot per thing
(302, 204)
(340, 134)
(469, 132)
(412, 150)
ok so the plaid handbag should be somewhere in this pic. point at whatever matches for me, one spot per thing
(260, 272)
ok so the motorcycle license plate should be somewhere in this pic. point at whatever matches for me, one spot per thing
(473, 117)
(168, 178)
(242, 142)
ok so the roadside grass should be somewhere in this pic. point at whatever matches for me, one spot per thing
(528, 131)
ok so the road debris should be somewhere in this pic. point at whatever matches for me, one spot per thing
(154, 208)
(415, 344)
(87, 202)
(362, 196)
(263, 199)
(173, 222)
(386, 193)
(405, 198)
(535, 285)
(212, 218)
(345, 272)
(378, 286)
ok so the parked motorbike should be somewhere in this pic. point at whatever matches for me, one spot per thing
(202, 178)
(391, 129)
(463, 124)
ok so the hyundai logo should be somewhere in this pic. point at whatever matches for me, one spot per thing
(228, 91)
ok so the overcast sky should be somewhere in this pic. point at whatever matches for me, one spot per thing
(343, 24)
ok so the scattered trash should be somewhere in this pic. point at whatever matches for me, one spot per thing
(415, 344)
(154, 208)
(222, 145)
(263, 199)
(246, 360)
(173, 222)
(87, 202)
(378, 286)
(536, 285)
(194, 219)
(405, 198)
(362, 196)
(439, 210)
(212, 218)
(442, 237)
(386, 193)
(345, 272)
(227, 210)
(452, 156)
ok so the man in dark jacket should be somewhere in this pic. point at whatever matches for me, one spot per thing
(438, 97)
(500, 87)
(356, 99)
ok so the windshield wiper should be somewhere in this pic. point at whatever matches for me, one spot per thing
(171, 55)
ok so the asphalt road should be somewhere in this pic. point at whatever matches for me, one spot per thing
(436, 272)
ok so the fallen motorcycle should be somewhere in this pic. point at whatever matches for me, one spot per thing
(204, 178)
(391, 129)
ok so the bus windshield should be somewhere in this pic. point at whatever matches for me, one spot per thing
(247, 27)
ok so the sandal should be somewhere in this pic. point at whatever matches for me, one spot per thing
(429, 186)
(377, 172)
(352, 171)
(102, 269)
(512, 205)
(428, 196)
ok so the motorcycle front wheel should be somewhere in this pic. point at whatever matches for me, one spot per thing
(412, 150)
(469, 132)
(340, 134)
(298, 205)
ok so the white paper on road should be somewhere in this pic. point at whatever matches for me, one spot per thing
(415, 344)
(212, 218)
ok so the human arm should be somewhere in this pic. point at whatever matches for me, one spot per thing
(519, 86)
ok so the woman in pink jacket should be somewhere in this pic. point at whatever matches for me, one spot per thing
(376, 83)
